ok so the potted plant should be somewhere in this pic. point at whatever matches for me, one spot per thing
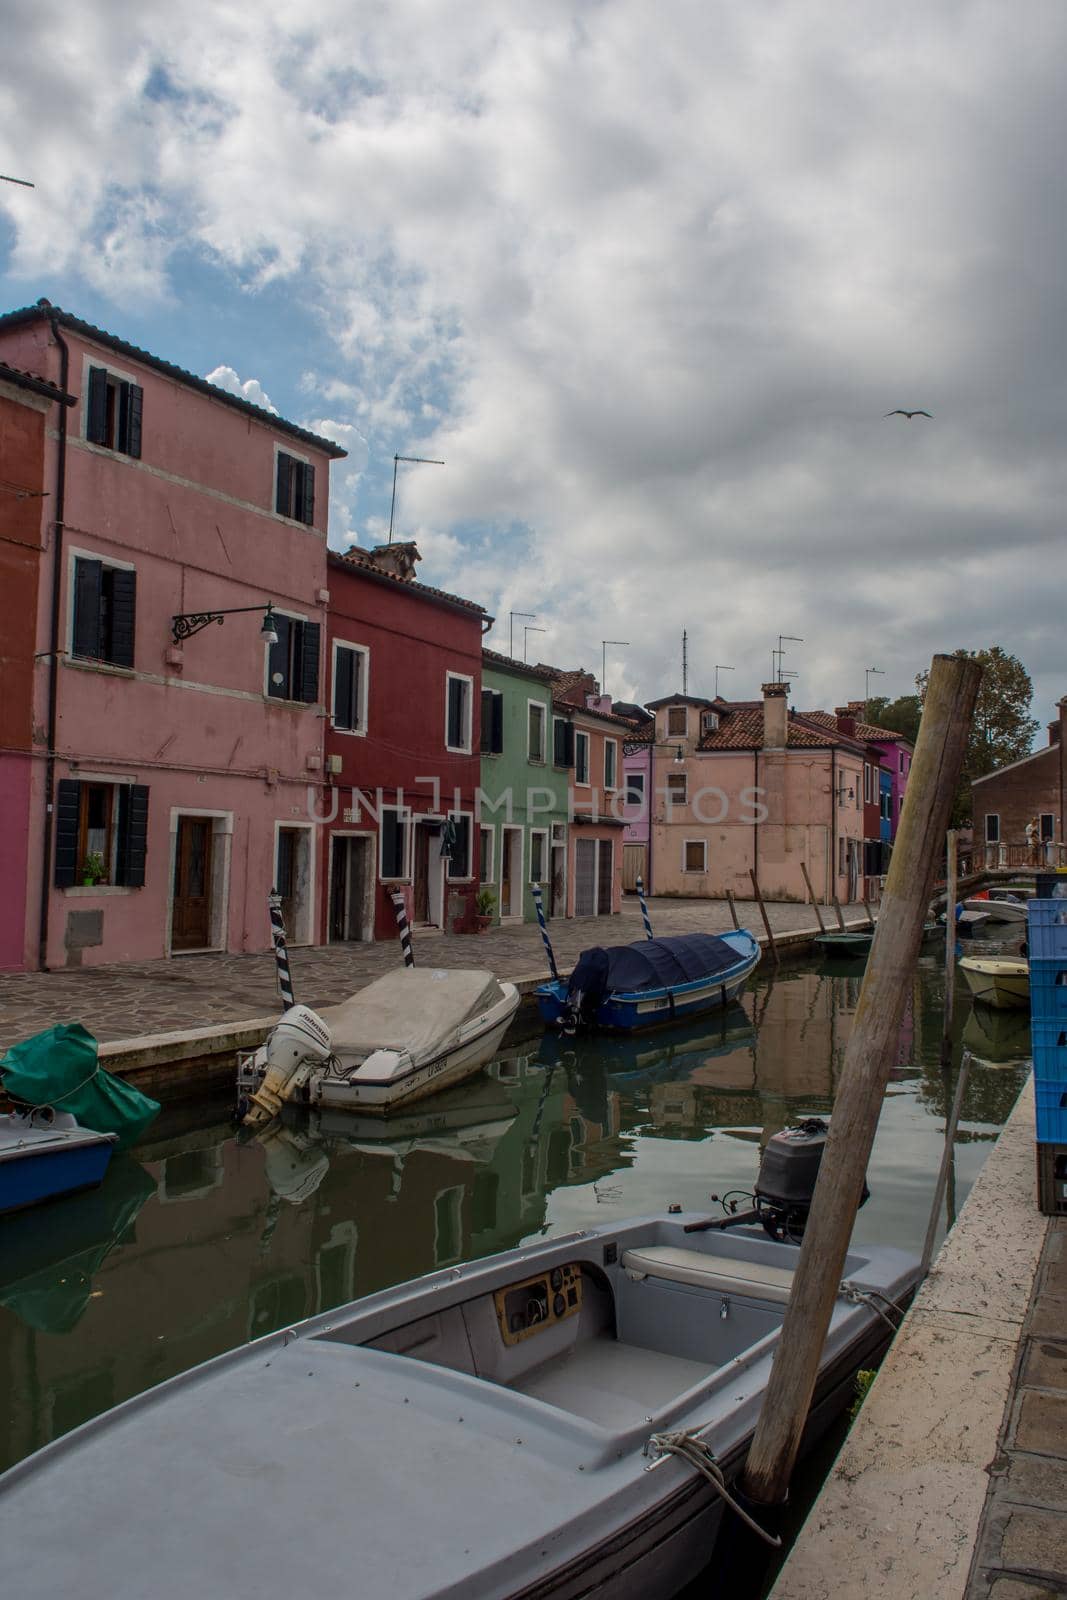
(485, 905)
(93, 870)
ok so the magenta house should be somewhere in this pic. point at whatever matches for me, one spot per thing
(176, 691)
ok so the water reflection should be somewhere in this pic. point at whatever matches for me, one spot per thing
(214, 1239)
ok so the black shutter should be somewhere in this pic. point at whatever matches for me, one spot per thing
(133, 396)
(460, 865)
(306, 508)
(307, 664)
(278, 660)
(88, 576)
(96, 414)
(562, 743)
(68, 819)
(454, 719)
(281, 499)
(132, 841)
(343, 688)
(487, 722)
(497, 744)
(392, 845)
(123, 613)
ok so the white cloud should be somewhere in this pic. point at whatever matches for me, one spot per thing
(250, 389)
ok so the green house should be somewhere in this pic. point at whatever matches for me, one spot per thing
(525, 776)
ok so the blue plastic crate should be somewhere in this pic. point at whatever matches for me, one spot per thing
(1047, 929)
(1051, 1102)
(1048, 988)
(1048, 1047)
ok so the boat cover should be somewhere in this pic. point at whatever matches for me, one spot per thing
(60, 1068)
(651, 964)
(412, 1008)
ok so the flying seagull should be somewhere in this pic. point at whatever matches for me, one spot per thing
(909, 414)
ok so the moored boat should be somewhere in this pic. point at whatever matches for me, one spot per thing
(45, 1154)
(1002, 981)
(627, 987)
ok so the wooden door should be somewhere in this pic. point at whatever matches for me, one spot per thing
(605, 883)
(422, 874)
(557, 895)
(507, 837)
(191, 916)
(633, 866)
(584, 877)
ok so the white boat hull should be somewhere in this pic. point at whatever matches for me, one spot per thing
(1002, 983)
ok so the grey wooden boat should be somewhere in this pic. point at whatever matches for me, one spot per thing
(489, 1431)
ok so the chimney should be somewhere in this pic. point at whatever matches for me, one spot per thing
(396, 559)
(1053, 733)
(857, 707)
(775, 716)
(846, 720)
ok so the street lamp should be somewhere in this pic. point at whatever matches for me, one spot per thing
(186, 623)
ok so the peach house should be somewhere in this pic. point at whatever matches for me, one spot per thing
(596, 794)
(170, 759)
(742, 787)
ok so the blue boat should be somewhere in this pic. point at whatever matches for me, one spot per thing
(623, 988)
(42, 1156)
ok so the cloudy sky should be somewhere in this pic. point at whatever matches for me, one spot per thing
(645, 278)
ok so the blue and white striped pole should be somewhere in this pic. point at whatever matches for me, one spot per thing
(644, 909)
(536, 891)
(281, 954)
(400, 912)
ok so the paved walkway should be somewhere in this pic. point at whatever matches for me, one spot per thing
(149, 997)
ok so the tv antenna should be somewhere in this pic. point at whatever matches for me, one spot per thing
(424, 461)
(526, 631)
(604, 658)
(719, 669)
(777, 672)
(869, 673)
(511, 628)
(25, 182)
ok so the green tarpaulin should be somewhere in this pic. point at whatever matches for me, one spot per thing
(60, 1068)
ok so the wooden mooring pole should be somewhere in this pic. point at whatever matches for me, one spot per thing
(733, 911)
(811, 897)
(763, 914)
(869, 1058)
(951, 882)
(840, 914)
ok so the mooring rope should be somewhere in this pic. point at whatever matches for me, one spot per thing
(869, 1297)
(686, 1444)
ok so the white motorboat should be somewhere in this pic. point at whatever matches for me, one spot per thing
(1010, 914)
(545, 1424)
(407, 1035)
(1002, 981)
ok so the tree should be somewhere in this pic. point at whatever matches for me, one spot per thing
(1002, 730)
(899, 716)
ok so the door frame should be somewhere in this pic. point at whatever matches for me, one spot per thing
(221, 843)
(306, 933)
(517, 886)
(435, 870)
(594, 844)
(370, 882)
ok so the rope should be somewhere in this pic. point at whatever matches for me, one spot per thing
(689, 1447)
(56, 1100)
(869, 1297)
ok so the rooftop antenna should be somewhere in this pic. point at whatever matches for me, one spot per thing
(776, 655)
(526, 631)
(869, 673)
(685, 662)
(719, 669)
(604, 658)
(511, 628)
(425, 461)
(25, 182)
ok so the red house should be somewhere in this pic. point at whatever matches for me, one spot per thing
(402, 760)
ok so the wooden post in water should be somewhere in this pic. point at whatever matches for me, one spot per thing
(869, 1057)
(811, 897)
(733, 911)
(867, 906)
(951, 884)
(840, 914)
(763, 914)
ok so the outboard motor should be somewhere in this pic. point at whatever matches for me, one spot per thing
(588, 986)
(295, 1047)
(786, 1180)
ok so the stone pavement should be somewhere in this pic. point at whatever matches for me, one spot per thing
(150, 997)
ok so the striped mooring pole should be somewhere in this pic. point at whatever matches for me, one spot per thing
(403, 928)
(644, 909)
(539, 904)
(281, 954)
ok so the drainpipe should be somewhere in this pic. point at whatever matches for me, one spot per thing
(53, 650)
(833, 826)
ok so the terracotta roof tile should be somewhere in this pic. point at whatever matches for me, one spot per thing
(34, 381)
(864, 730)
(409, 585)
(743, 730)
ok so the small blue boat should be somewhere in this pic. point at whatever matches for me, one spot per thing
(623, 988)
(45, 1155)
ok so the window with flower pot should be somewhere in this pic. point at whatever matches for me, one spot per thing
(101, 834)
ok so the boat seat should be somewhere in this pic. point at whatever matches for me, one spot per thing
(706, 1271)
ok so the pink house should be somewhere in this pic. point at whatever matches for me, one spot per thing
(171, 759)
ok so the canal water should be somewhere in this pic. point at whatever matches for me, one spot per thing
(201, 1239)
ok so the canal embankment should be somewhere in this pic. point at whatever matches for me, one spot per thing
(953, 1480)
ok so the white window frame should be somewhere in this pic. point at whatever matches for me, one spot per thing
(685, 714)
(866, 783)
(991, 816)
(635, 777)
(364, 680)
(542, 834)
(463, 749)
(294, 616)
(685, 847)
(587, 781)
(121, 375)
(405, 815)
(613, 746)
(538, 705)
(489, 828)
(75, 553)
(472, 873)
(294, 455)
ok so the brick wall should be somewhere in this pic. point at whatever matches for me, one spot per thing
(1019, 793)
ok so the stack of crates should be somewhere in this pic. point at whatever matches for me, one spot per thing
(1048, 1038)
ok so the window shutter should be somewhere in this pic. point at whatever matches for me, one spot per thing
(96, 414)
(498, 723)
(88, 576)
(307, 642)
(132, 843)
(454, 720)
(459, 865)
(281, 499)
(487, 722)
(306, 510)
(123, 612)
(278, 659)
(343, 685)
(568, 744)
(134, 397)
(68, 816)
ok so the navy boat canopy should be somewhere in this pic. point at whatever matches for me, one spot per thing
(650, 964)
